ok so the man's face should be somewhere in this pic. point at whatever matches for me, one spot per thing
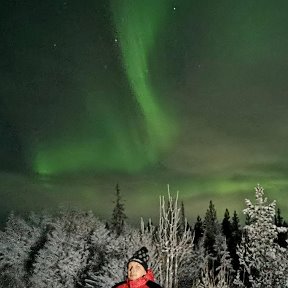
(135, 270)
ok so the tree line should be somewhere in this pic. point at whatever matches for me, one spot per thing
(73, 248)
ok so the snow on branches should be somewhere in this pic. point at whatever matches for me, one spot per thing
(75, 249)
(173, 248)
(262, 260)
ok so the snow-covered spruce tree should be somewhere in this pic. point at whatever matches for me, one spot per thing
(212, 232)
(111, 268)
(211, 273)
(190, 271)
(64, 256)
(224, 272)
(97, 253)
(262, 260)
(16, 246)
(172, 248)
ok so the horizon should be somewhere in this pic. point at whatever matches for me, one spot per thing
(144, 94)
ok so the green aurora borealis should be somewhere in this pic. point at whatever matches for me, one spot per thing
(122, 149)
(143, 93)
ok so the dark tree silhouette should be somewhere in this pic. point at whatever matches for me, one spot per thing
(282, 236)
(118, 214)
(235, 240)
(226, 225)
(198, 230)
(211, 227)
(182, 221)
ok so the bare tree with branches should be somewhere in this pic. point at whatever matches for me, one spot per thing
(172, 247)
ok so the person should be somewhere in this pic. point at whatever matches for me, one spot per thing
(138, 273)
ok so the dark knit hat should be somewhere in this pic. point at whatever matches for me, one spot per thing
(141, 256)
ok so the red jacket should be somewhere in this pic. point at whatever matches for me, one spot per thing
(147, 281)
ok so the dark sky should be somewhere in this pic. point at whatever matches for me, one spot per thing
(144, 94)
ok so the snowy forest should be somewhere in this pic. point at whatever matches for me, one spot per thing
(73, 248)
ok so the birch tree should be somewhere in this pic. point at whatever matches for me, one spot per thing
(172, 248)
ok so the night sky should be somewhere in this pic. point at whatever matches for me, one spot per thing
(193, 94)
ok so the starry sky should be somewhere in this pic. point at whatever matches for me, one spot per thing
(142, 93)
